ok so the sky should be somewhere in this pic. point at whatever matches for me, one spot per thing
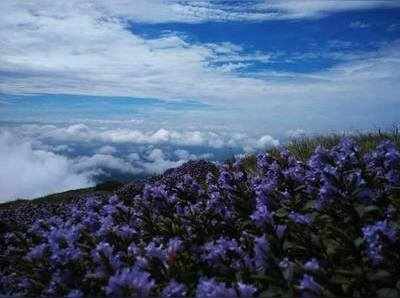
(98, 90)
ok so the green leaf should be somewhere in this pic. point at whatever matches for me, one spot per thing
(288, 245)
(273, 292)
(263, 277)
(309, 205)
(341, 280)
(380, 275)
(360, 210)
(371, 208)
(331, 246)
(281, 212)
(358, 242)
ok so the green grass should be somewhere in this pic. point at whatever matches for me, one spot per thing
(302, 147)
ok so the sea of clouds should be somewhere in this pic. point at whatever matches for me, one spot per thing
(38, 159)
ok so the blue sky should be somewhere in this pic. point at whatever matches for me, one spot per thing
(205, 77)
(306, 43)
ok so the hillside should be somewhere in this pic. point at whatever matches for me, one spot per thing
(319, 217)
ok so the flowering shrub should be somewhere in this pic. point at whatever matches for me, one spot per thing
(325, 227)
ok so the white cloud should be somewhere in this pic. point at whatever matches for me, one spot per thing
(157, 162)
(75, 49)
(184, 154)
(296, 133)
(107, 150)
(262, 143)
(28, 173)
(84, 133)
(134, 156)
(194, 11)
(62, 148)
(85, 48)
(32, 164)
(293, 9)
(266, 141)
(98, 162)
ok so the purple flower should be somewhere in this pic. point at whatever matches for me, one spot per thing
(263, 161)
(62, 243)
(384, 162)
(102, 249)
(327, 192)
(319, 159)
(295, 172)
(280, 230)
(261, 248)
(37, 252)
(156, 251)
(190, 185)
(136, 282)
(106, 225)
(75, 294)
(372, 236)
(126, 232)
(215, 251)
(308, 283)
(174, 289)
(246, 290)
(174, 246)
(312, 265)
(104, 252)
(211, 288)
(55, 283)
(261, 215)
(156, 193)
(300, 218)
(225, 180)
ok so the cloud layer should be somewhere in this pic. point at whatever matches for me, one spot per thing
(26, 172)
(108, 135)
(195, 11)
(40, 159)
(78, 48)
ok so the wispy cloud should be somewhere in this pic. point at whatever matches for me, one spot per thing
(195, 11)
(359, 25)
(90, 49)
(76, 48)
(87, 51)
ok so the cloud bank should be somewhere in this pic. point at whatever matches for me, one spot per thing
(83, 133)
(41, 159)
(28, 173)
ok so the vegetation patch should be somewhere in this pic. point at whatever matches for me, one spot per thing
(317, 218)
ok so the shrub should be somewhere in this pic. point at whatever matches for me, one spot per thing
(325, 226)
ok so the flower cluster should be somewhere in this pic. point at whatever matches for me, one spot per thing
(325, 227)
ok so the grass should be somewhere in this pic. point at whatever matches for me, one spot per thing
(302, 147)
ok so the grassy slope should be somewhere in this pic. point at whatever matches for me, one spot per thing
(102, 189)
(302, 147)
